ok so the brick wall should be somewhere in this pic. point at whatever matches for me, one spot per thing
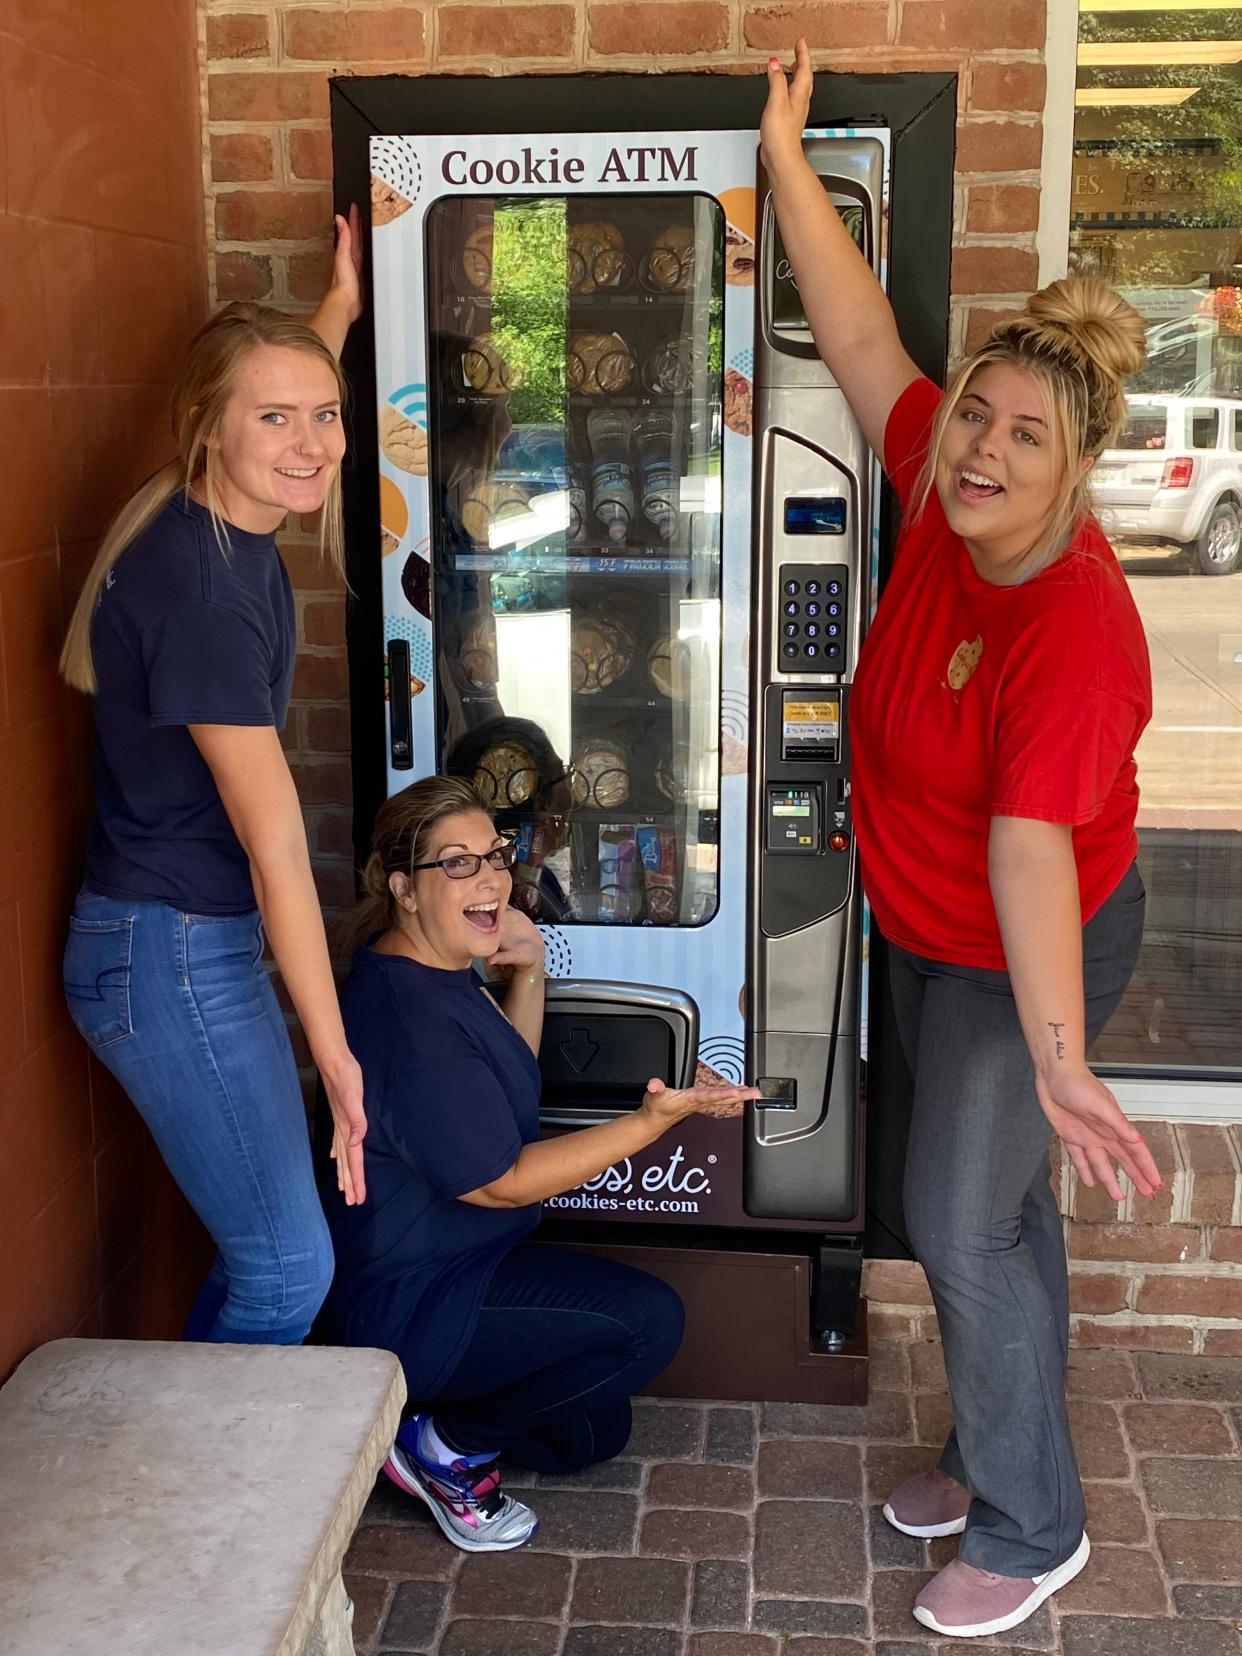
(102, 235)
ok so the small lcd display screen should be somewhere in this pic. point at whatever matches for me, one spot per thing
(810, 516)
(791, 810)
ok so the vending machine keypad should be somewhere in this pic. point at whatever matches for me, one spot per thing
(814, 606)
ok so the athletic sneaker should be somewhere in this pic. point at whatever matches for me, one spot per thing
(928, 1505)
(965, 1603)
(465, 1497)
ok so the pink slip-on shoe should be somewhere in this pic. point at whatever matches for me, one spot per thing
(928, 1505)
(966, 1603)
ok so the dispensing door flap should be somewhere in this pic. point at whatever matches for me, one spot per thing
(602, 1043)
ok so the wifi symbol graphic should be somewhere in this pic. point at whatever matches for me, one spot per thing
(412, 401)
(735, 715)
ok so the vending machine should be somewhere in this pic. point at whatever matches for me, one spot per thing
(615, 537)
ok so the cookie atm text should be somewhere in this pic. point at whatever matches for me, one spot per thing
(643, 164)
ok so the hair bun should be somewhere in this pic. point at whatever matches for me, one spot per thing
(1087, 317)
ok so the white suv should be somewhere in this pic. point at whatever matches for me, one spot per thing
(1176, 475)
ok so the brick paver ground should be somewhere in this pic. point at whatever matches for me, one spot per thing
(755, 1530)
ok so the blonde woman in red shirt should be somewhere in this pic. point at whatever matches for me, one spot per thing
(995, 711)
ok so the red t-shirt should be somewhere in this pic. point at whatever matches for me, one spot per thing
(972, 701)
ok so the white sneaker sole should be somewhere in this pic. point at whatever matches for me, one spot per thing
(924, 1532)
(467, 1544)
(1044, 1587)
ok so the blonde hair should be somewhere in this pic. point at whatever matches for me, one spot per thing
(200, 394)
(400, 838)
(1077, 339)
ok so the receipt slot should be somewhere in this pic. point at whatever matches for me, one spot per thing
(813, 537)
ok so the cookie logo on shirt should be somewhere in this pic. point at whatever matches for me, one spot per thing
(963, 661)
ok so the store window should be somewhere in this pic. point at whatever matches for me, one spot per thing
(1157, 212)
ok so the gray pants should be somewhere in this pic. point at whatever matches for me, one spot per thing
(985, 1226)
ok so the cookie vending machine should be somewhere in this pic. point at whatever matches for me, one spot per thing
(627, 543)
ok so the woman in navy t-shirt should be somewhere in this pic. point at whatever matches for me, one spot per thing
(530, 1351)
(185, 637)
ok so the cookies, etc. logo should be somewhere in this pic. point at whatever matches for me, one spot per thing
(963, 661)
(396, 179)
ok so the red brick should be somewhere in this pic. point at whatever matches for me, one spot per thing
(993, 209)
(701, 1486)
(1190, 1296)
(1200, 1549)
(237, 35)
(327, 731)
(370, 1596)
(1093, 1205)
(1106, 1374)
(241, 157)
(309, 273)
(1223, 1342)
(927, 1367)
(272, 215)
(933, 1417)
(1177, 1429)
(323, 623)
(933, 25)
(1208, 1155)
(1158, 1209)
(895, 1282)
(1100, 1292)
(1011, 86)
(414, 1551)
(1226, 1244)
(395, 35)
(321, 678)
(506, 31)
(1142, 1244)
(887, 1325)
(322, 781)
(774, 28)
(695, 1535)
(332, 830)
(243, 276)
(1114, 1514)
(309, 569)
(336, 886)
(310, 152)
(998, 146)
(994, 270)
(1127, 1335)
(683, 28)
(287, 96)
(1120, 1581)
(733, 1644)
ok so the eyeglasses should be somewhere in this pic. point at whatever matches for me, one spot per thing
(464, 865)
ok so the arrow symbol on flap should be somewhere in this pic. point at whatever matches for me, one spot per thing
(579, 1050)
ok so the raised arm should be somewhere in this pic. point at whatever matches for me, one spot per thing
(252, 775)
(851, 319)
(341, 305)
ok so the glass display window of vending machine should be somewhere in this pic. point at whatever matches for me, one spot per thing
(629, 536)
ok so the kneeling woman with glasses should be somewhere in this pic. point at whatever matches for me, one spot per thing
(508, 1347)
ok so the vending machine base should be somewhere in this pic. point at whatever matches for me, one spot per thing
(749, 1334)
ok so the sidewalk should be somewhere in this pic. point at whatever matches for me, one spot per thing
(755, 1531)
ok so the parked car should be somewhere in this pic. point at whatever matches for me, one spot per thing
(1176, 475)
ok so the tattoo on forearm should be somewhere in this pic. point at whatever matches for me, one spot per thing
(1056, 1029)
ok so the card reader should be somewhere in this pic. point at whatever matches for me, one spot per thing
(793, 819)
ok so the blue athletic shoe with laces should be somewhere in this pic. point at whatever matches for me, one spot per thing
(465, 1498)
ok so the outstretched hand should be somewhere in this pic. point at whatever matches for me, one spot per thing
(1089, 1122)
(669, 1105)
(347, 262)
(785, 113)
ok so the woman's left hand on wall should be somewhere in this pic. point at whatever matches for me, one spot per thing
(341, 305)
(1089, 1122)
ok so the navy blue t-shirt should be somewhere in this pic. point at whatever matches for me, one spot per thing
(184, 634)
(452, 1095)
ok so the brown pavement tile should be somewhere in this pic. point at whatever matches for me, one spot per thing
(584, 1521)
(622, 1641)
(666, 1431)
(888, 1465)
(730, 1437)
(613, 1474)
(825, 1647)
(890, 1549)
(694, 1535)
(893, 1593)
(803, 1420)
(807, 1469)
(819, 1617)
(389, 1505)
(810, 1549)
(1217, 1603)
(682, 1484)
(1115, 1514)
(1126, 1636)
(413, 1617)
(402, 1551)
(1116, 1581)
(1107, 1375)
(1193, 1488)
(522, 1583)
(630, 1590)
(500, 1638)
(730, 1644)
(370, 1595)
(889, 1417)
(1177, 1429)
(888, 1366)
(927, 1367)
(1098, 1439)
(721, 1594)
(1200, 1549)
(933, 1418)
(1196, 1379)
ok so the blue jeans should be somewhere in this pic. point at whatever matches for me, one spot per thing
(563, 1341)
(179, 1008)
(985, 1225)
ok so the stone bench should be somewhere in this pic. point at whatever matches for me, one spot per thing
(160, 1499)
